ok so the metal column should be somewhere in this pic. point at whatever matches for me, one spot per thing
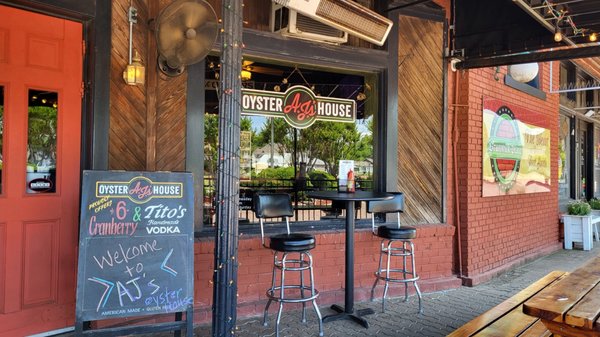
(228, 172)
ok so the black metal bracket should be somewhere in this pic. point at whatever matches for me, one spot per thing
(83, 328)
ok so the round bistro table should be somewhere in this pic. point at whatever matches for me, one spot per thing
(347, 312)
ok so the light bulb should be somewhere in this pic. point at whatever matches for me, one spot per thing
(593, 37)
(558, 35)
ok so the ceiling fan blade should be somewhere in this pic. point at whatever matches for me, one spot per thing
(193, 15)
(265, 70)
(169, 37)
(195, 50)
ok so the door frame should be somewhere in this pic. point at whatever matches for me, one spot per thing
(95, 17)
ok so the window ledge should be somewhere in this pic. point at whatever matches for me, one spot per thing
(526, 88)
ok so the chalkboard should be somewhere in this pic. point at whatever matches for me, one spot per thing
(135, 244)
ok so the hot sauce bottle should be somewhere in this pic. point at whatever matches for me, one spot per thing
(351, 184)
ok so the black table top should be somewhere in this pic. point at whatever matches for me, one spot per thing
(349, 196)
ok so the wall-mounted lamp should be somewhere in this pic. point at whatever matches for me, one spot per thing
(593, 37)
(135, 72)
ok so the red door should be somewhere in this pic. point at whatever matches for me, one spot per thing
(40, 129)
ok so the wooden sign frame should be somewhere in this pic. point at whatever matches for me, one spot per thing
(136, 251)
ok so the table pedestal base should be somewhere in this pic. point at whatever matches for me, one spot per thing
(355, 316)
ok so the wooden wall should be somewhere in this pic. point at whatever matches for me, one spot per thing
(420, 118)
(147, 123)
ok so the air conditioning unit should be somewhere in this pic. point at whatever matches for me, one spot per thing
(289, 22)
(345, 15)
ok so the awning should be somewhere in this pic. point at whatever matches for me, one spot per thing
(499, 32)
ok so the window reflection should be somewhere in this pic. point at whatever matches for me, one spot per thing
(564, 148)
(41, 141)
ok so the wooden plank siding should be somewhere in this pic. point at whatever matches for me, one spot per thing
(147, 122)
(127, 138)
(420, 118)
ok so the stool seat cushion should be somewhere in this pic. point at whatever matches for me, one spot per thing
(395, 233)
(294, 242)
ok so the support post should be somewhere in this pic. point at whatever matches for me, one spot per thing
(228, 172)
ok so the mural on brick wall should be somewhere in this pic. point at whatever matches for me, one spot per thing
(516, 150)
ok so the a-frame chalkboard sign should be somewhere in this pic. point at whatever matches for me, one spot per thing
(136, 250)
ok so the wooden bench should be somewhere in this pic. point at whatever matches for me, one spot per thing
(571, 305)
(507, 318)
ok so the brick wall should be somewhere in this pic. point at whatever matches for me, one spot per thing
(433, 247)
(498, 232)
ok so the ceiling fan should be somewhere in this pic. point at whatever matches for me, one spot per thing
(186, 32)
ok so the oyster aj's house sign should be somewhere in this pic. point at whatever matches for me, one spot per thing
(298, 105)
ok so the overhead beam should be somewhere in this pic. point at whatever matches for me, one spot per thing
(553, 55)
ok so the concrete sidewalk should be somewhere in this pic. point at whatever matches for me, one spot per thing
(443, 311)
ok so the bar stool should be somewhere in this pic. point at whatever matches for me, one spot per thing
(390, 234)
(279, 205)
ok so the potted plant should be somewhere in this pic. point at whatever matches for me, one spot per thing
(578, 224)
(595, 205)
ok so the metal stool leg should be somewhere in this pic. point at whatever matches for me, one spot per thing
(312, 292)
(282, 293)
(414, 275)
(302, 255)
(387, 274)
(377, 273)
(272, 290)
(404, 270)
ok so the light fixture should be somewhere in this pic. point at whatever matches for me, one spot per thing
(245, 75)
(558, 36)
(361, 96)
(593, 37)
(135, 71)
(523, 72)
(590, 113)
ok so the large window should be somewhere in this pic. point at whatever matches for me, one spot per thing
(564, 150)
(274, 156)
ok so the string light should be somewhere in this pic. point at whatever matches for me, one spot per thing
(562, 15)
(557, 35)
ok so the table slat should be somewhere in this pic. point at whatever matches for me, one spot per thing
(553, 302)
(512, 324)
(538, 329)
(567, 330)
(482, 321)
(587, 311)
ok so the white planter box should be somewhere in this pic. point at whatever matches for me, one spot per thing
(578, 229)
(596, 223)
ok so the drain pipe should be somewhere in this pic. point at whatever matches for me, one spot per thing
(455, 138)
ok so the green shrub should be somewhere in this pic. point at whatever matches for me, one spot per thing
(319, 179)
(579, 208)
(276, 173)
(594, 203)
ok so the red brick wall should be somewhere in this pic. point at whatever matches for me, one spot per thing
(498, 232)
(433, 247)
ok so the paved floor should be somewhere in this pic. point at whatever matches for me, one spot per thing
(443, 311)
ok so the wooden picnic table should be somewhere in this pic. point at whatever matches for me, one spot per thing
(571, 305)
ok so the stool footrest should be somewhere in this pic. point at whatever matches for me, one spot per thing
(271, 294)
